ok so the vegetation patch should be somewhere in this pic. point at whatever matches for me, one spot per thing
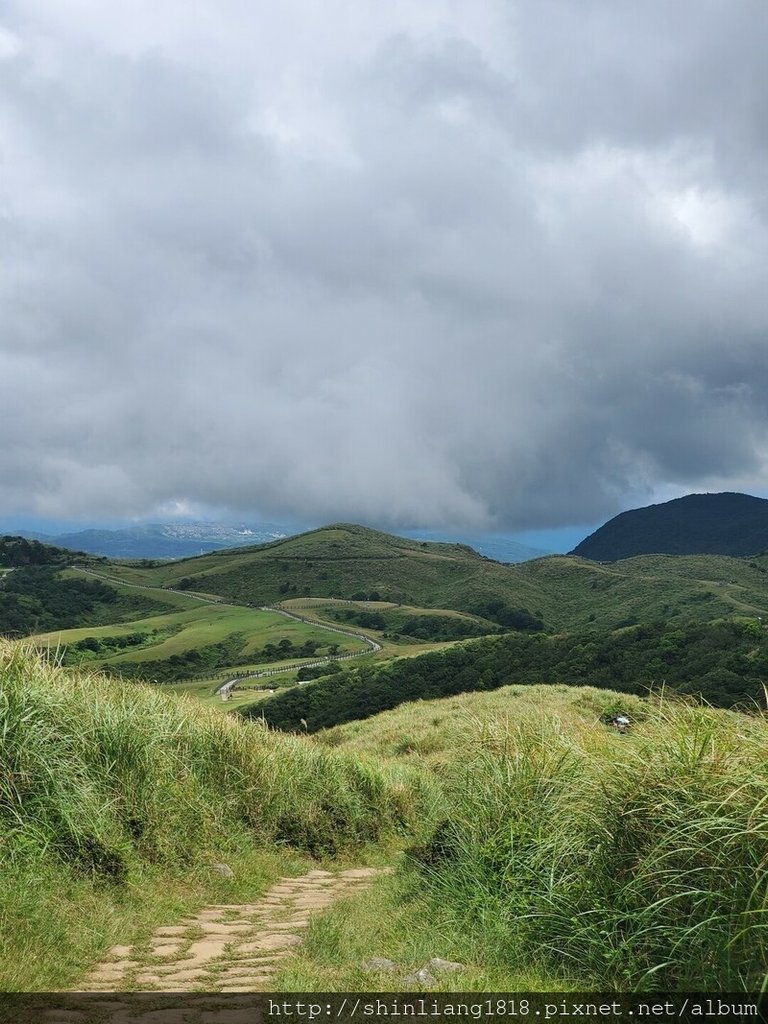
(38, 598)
(105, 785)
(637, 862)
(600, 861)
(724, 662)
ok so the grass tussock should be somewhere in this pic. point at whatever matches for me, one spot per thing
(635, 862)
(399, 921)
(110, 790)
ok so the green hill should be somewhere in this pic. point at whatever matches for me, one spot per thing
(715, 524)
(563, 591)
(404, 589)
(20, 551)
(629, 863)
(725, 663)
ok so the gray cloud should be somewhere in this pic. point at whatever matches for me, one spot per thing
(487, 264)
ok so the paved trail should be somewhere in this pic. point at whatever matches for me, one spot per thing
(227, 948)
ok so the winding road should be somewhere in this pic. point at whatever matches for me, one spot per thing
(372, 646)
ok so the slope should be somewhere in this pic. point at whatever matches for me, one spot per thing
(719, 524)
(353, 562)
(117, 802)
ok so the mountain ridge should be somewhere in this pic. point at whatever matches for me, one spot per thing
(723, 523)
(186, 540)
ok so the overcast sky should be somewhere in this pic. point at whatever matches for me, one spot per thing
(475, 263)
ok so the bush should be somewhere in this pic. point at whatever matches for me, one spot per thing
(635, 862)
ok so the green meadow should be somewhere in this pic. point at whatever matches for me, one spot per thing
(566, 856)
(531, 843)
(208, 624)
(346, 562)
(201, 639)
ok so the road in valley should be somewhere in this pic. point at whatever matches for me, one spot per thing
(226, 688)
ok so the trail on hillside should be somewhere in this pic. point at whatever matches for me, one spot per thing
(227, 947)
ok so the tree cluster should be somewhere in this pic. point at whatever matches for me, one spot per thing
(724, 663)
(35, 599)
(18, 551)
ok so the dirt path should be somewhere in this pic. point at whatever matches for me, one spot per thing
(227, 948)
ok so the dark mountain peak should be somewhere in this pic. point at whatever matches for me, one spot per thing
(716, 524)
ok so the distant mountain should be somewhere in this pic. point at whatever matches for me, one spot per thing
(712, 524)
(162, 540)
(184, 540)
(353, 562)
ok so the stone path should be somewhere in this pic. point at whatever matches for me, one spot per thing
(227, 948)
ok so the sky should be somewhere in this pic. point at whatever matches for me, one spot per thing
(497, 265)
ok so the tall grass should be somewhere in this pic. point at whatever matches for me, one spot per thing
(635, 861)
(103, 781)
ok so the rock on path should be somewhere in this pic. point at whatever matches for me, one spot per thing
(227, 948)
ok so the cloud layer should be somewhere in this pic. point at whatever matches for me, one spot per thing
(481, 263)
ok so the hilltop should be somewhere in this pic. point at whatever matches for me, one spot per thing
(715, 524)
(187, 539)
(411, 584)
(561, 591)
(344, 561)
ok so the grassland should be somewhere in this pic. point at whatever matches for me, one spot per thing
(420, 596)
(201, 626)
(543, 850)
(172, 644)
(568, 852)
(238, 639)
(351, 562)
(116, 801)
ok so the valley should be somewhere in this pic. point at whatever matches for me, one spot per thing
(395, 704)
(205, 620)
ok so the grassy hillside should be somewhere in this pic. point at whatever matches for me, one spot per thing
(44, 597)
(546, 851)
(724, 663)
(336, 561)
(630, 862)
(115, 802)
(413, 593)
(201, 640)
(676, 588)
(566, 592)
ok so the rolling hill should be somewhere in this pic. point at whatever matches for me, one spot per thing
(715, 524)
(564, 591)
(147, 620)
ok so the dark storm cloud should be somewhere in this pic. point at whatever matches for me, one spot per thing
(491, 264)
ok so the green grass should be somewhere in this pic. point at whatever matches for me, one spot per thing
(343, 561)
(433, 589)
(545, 852)
(398, 920)
(116, 800)
(200, 626)
(634, 862)
(190, 625)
